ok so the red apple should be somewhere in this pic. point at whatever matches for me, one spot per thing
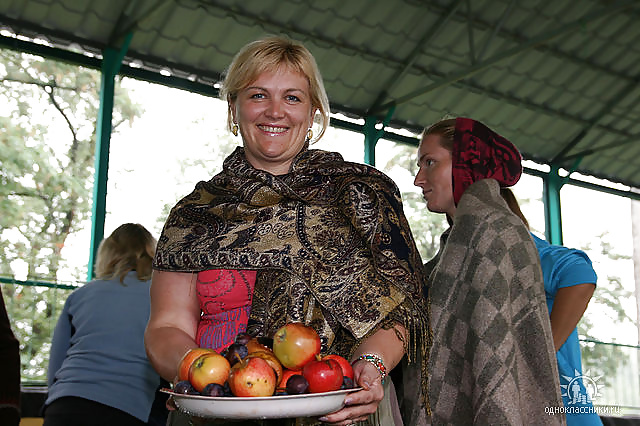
(271, 360)
(347, 370)
(323, 375)
(295, 344)
(187, 359)
(252, 377)
(209, 368)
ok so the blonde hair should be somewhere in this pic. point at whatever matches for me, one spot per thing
(445, 129)
(268, 55)
(129, 248)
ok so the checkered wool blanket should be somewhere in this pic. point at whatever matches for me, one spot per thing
(492, 360)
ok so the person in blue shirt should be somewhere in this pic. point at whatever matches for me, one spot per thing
(569, 283)
(99, 373)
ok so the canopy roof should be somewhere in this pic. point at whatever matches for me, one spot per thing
(559, 78)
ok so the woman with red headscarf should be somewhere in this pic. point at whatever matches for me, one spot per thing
(492, 359)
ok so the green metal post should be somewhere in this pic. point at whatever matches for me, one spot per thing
(371, 137)
(111, 61)
(552, 212)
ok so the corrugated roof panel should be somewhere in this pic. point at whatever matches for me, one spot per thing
(611, 163)
(613, 160)
(542, 95)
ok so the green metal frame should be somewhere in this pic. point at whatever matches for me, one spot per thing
(35, 283)
(551, 184)
(373, 135)
(111, 62)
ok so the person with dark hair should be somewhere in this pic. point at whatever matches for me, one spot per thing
(492, 358)
(569, 283)
(9, 371)
(285, 233)
(99, 373)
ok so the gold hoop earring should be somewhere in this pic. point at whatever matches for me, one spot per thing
(309, 135)
(234, 129)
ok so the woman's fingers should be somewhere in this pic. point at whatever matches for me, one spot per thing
(349, 415)
(358, 405)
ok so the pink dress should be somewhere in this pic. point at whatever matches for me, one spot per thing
(225, 303)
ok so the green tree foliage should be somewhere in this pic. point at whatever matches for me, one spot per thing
(218, 149)
(48, 113)
(598, 359)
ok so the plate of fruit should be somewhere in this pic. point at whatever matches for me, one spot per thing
(261, 378)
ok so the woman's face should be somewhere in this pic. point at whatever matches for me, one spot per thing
(434, 175)
(274, 114)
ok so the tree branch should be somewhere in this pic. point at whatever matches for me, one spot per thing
(31, 195)
(74, 146)
(118, 123)
(35, 83)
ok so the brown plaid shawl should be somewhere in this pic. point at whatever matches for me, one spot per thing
(492, 360)
(329, 240)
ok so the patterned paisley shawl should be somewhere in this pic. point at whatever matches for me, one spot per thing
(329, 240)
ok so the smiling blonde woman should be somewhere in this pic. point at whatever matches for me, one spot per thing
(285, 233)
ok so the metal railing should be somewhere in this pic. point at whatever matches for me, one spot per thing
(613, 369)
(33, 308)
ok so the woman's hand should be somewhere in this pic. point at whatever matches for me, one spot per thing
(359, 405)
(384, 345)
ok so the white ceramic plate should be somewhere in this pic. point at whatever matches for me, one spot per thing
(269, 407)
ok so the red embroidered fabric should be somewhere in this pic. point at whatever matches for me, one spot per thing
(225, 303)
(480, 153)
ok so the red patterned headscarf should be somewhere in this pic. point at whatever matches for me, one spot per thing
(480, 153)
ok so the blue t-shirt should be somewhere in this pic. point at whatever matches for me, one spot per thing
(97, 351)
(565, 267)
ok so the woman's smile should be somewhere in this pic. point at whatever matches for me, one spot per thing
(273, 129)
